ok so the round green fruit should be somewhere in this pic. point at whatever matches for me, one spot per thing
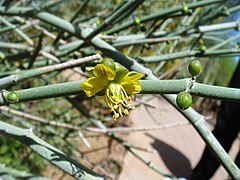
(185, 8)
(12, 97)
(136, 20)
(194, 67)
(184, 100)
(109, 62)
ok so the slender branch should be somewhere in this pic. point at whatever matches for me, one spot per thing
(17, 173)
(91, 129)
(17, 30)
(136, 153)
(48, 152)
(163, 13)
(193, 53)
(148, 87)
(114, 16)
(13, 79)
(138, 129)
(218, 27)
(130, 63)
(15, 46)
(39, 119)
(225, 42)
(146, 40)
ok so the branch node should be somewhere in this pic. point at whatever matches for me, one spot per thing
(29, 132)
(201, 122)
(14, 78)
(147, 73)
(190, 83)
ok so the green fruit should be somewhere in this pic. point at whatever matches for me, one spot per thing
(109, 62)
(202, 48)
(12, 97)
(184, 100)
(2, 56)
(194, 67)
(136, 20)
(185, 8)
(225, 12)
(201, 42)
(98, 22)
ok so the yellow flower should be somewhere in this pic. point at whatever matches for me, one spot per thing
(116, 86)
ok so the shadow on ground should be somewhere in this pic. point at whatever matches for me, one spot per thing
(174, 160)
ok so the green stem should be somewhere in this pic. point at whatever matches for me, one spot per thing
(6, 29)
(48, 152)
(18, 173)
(218, 27)
(193, 53)
(163, 14)
(148, 87)
(145, 40)
(13, 79)
(17, 30)
(114, 16)
(132, 64)
(137, 154)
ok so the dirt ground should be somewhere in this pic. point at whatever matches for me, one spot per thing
(178, 149)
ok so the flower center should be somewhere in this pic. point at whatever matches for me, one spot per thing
(118, 100)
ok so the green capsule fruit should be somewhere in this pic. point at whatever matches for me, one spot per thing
(98, 22)
(109, 62)
(225, 12)
(12, 97)
(201, 42)
(194, 67)
(2, 56)
(184, 100)
(202, 48)
(185, 8)
(136, 20)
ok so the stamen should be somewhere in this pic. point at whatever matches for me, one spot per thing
(115, 116)
(120, 110)
(129, 98)
(118, 100)
(126, 111)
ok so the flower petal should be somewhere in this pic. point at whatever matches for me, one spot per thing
(92, 85)
(120, 74)
(104, 73)
(132, 88)
(130, 78)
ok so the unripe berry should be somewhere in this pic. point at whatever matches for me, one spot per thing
(13, 97)
(109, 62)
(136, 21)
(194, 67)
(202, 48)
(185, 8)
(184, 100)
